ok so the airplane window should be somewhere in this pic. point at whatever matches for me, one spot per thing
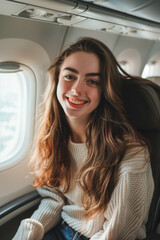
(10, 105)
(14, 104)
(125, 65)
(152, 69)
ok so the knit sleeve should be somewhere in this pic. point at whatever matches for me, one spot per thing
(127, 211)
(44, 218)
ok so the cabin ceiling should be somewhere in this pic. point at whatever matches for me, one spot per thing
(134, 18)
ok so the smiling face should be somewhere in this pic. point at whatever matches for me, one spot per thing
(79, 88)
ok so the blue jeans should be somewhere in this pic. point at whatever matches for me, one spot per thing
(62, 231)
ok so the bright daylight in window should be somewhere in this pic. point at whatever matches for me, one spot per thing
(17, 104)
(11, 100)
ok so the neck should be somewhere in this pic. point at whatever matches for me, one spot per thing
(76, 138)
(78, 129)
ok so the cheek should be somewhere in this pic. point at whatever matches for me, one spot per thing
(59, 92)
(62, 87)
(95, 97)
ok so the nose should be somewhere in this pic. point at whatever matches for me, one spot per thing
(77, 87)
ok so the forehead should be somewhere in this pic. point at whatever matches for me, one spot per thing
(82, 62)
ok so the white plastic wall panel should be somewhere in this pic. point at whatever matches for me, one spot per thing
(48, 36)
(9, 8)
(143, 46)
(154, 53)
(75, 33)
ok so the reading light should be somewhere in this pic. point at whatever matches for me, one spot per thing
(33, 13)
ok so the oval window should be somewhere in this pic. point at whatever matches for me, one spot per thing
(17, 99)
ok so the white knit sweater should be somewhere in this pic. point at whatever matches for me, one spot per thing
(124, 217)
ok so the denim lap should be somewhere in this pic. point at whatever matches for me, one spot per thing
(68, 233)
(71, 234)
(63, 232)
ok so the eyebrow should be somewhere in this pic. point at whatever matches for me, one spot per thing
(88, 74)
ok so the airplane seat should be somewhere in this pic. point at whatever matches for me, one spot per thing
(143, 108)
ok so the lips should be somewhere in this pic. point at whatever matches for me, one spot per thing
(77, 103)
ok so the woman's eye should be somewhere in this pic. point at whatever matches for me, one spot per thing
(93, 82)
(68, 77)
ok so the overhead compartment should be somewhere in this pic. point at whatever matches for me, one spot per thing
(109, 16)
(122, 5)
(61, 5)
(100, 17)
(147, 9)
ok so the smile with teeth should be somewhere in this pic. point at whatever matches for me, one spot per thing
(77, 102)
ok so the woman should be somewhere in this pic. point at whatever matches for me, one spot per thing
(91, 166)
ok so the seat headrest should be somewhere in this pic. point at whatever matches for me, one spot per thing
(143, 106)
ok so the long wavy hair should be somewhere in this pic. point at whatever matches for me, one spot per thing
(108, 133)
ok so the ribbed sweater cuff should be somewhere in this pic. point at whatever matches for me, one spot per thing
(29, 229)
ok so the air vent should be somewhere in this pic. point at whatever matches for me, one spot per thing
(40, 14)
(50, 16)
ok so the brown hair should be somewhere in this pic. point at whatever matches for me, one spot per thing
(109, 133)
